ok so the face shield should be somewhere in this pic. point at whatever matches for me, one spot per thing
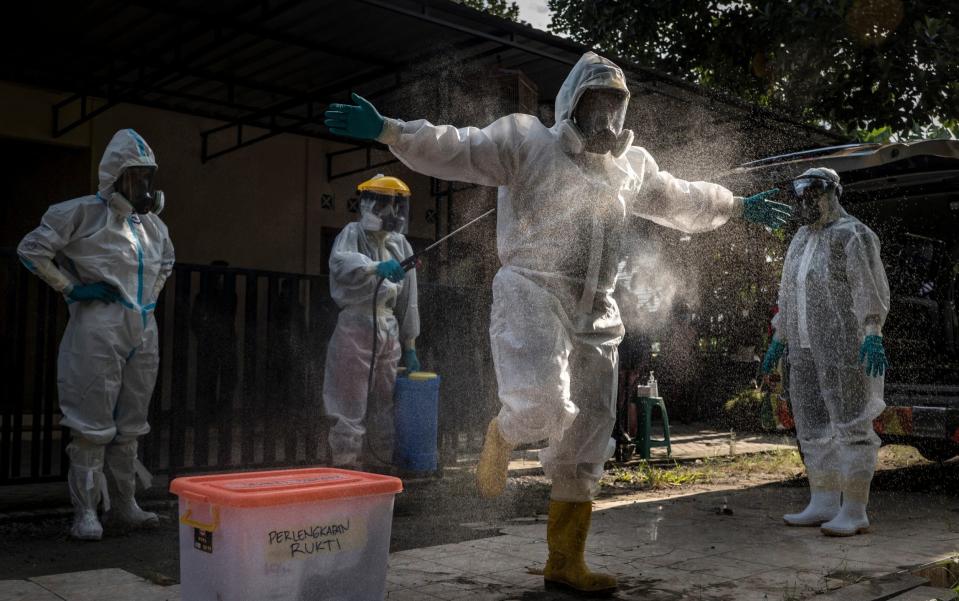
(384, 212)
(811, 192)
(600, 114)
(136, 185)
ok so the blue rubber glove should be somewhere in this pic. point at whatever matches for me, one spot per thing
(410, 361)
(874, 355)
(391, 270)
(773, 355)
(100, 291)
(361, 120)
(766, 212)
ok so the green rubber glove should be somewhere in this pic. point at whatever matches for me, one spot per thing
(361, 120)
(100, 291)
(410, 361)
(766, 212)
(391, 270)
(873, 354)
(773, 355)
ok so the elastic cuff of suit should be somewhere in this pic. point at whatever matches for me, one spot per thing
(856, 489)
(392, 128)
(576, 490)
(828, 481)
(738, 207)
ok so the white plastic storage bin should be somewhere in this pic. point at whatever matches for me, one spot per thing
(291, 535)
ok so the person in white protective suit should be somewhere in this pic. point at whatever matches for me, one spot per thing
(833, 301)
(565, 197)
(113, 255)
(363, 253)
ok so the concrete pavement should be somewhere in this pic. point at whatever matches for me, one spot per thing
(670, 549)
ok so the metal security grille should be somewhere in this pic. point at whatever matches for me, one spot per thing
(32, 318)
(240, 383)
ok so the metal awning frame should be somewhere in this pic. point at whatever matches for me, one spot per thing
(151, 81)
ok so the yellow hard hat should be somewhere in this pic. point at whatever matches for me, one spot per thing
(385, 184)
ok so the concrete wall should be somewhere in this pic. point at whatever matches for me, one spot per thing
(258, 207)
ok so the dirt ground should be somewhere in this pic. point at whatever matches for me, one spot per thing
(448, 510)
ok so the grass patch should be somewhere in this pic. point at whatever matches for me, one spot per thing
(777, 464)
(784, 461)
(648, 477)
(897, 456)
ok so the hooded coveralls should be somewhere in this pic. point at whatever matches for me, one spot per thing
(833, 293)
(561, 215)
(353, 278)
(108, 358)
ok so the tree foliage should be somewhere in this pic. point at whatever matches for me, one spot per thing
(852, 65)
(500, 8)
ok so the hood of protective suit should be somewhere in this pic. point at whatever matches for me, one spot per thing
(591, 71)
(126, 149)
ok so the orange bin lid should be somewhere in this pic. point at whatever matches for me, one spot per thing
(283, 487)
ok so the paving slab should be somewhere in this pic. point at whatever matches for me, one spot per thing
(109, 584)
(877, 589)
(928, 593)
(22, 590)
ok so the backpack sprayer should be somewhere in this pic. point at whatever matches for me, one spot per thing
(407, 264)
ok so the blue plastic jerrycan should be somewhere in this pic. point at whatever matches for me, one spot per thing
(415, 408)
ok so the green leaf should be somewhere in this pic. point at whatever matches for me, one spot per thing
(817, 65)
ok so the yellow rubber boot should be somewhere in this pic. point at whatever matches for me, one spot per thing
(566, 567)
(494, 463)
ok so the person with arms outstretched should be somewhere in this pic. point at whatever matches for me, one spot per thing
(565, 195)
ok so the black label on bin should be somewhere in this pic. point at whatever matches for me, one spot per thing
(203, 540)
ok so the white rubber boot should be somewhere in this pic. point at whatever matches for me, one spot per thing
(347, 461)
(852, 520)
(859, 454)
(86, 483)
(126, 512)
(823, 506)
(121, 459)
(86, 526)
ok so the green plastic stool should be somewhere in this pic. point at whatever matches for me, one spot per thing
(645, 442)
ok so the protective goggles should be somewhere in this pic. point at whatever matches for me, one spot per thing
(600, 110)
(391, 211)
(811, 186)
(136, 184)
